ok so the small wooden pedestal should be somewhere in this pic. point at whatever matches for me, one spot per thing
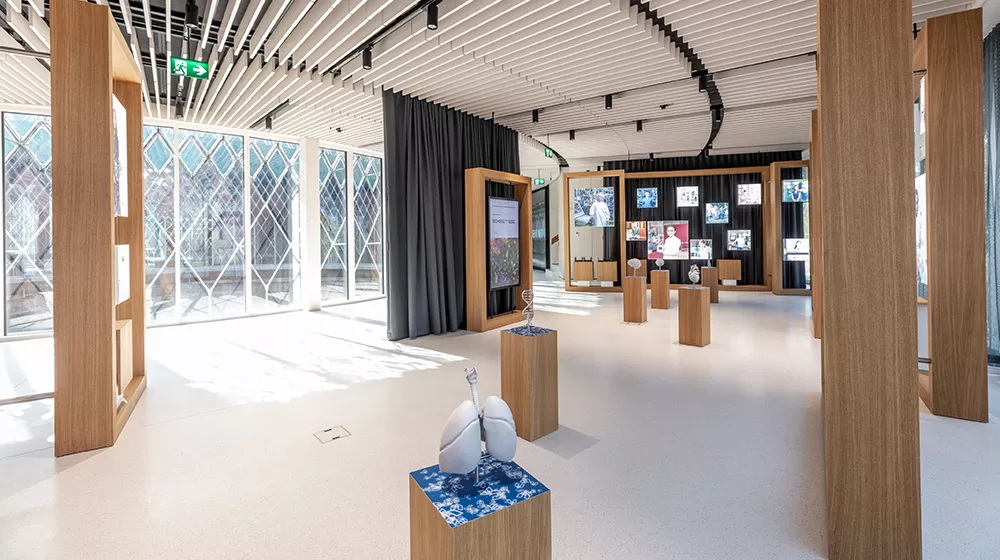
(710, 279)
(583, 271)
(607, 271)
(635, 299)
(529, 379)
(661, 289)
(695, 317)
(515, 522)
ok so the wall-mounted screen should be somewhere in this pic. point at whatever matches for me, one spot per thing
(647, 197)
(796, 249)
(795, 190)
(119, 132)
(687, 197)
(594, 207)
(635, 231)
(716, 212)
(738, 240)
(505, 253)
(701, 249)
(748, 194)
(667, 240)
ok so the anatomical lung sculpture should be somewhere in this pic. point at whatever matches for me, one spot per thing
(469, 426)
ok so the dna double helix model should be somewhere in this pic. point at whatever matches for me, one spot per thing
(529, 308)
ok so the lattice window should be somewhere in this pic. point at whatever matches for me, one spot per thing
(333, 224)
(158, 193)
(274, 223)
(368, 225)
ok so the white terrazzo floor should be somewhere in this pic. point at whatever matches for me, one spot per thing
(663, 451)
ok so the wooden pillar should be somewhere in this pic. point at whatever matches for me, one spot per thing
(869, 312)
(710, 279)
(694, 316)
(661, 289)
(816, 223)
(956, 215)
(634, 302)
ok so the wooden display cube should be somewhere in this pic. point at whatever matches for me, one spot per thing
(694, 315)
(512, 516)
(607, 271)
(529, 379)
(730, 269)
(661, 289)
(583, 271)
(710, 279)
(635, 299)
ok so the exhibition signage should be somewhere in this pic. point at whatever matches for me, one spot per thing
(539, 181)
(548, 152)
(188, 68)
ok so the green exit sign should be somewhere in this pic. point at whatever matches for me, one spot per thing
(548, 152)
(188, 68)
(539, 181)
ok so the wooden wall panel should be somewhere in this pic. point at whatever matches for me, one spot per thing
(869, 320)
(956, 232)
(816, 223)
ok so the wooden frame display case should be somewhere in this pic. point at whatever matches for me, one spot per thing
(91, 67)
(567, 229)
(476, 262)
(775, 238)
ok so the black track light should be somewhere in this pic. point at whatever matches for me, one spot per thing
(267, 122)
(717, 114)
(638, 126)
(191, 13)
(572, 135)
(432, 16)
(651, 158)
(702, 83)
(607, 102)
(534, 115)
(366, 58)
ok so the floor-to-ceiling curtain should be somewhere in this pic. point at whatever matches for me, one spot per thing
(427, 149)
(991, 74)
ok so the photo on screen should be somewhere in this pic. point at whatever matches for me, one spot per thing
(687, 197)
(647, 197)
(594, 207)
(748, 194)
(667, 240)
(796, 249)
(635, 231)
(738, 240)
(701, 249)
(716, 212)
(118, 124)
(505, 254)
(794, 190)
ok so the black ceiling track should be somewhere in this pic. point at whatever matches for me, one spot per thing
(706, 81)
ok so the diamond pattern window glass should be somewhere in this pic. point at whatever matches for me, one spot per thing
(27, 161)
(274, 223)
(333, 224)
(158, 192)
(211, 225)
(368, 225)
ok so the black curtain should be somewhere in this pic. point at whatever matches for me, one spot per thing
(427, 149)
(793, 226)
(758, 159)
(711, 188)
(991, 76)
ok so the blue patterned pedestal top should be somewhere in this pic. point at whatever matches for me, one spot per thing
(460, 500)
(523, 330)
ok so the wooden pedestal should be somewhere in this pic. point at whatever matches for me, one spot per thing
(730, 269)
(607, 271)
(693, 304)
(710, 279)
(635, 299)
(583, 271)
(661, 289)
(529, 380)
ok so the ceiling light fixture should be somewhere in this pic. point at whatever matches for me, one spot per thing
(366, 58)
(534, 115)
(651, 156)
(432, 16)
(638, 126)
(607, 102)
(572, 135)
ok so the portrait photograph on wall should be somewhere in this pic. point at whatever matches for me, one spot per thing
(687, 197)
(594, 207)
(701, 249)
(748, 194)
(635, 231)
(505, 254)
(738, 240)
(796, 249)
(667, 240)
(647, 197)
(716, 212)
(795, 190)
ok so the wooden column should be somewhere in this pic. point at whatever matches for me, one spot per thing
(869, 319)
(710, 279)
(661, 289)
(956, 214)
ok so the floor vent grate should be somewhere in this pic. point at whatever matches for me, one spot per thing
(330, 434)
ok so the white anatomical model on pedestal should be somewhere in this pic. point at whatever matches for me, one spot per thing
(469, 426)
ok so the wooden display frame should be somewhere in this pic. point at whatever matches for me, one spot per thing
(476, 283)
(567, 219)
(816, 223)
(91, 63)
(775, 239)
(949, 50)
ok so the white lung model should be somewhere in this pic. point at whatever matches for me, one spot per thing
(468, 426)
